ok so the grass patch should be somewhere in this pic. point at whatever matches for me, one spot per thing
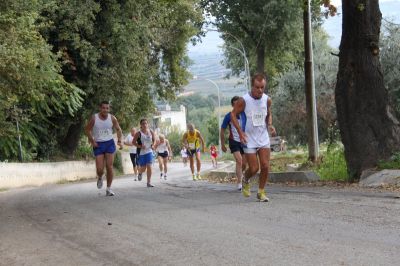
(393, 163)
(332, 165)
(280, 161)
(62, 182)
(3, 189)
(117, 164)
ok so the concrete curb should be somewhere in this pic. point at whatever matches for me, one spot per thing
(274, 177)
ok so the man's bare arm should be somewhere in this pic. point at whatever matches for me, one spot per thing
(184, 140)
(169, 149)
(239, 106)
(88, 131)
(268, 119)
(118, 129)
(222, 138)
(135, 139)
(202, 142)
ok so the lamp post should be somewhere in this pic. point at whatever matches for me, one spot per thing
(219, 115)
(245, 66)
(243, 52)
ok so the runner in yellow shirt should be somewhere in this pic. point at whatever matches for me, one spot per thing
(191, 140)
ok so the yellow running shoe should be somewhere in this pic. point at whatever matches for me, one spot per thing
(262, 197)
(246, 189)
(194, 177)
(198, 177)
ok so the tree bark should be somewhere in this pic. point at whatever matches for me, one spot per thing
(368, 129)
(71, 140)
(260, 58)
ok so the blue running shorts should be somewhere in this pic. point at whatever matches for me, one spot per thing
(104, 147)
(145, 159)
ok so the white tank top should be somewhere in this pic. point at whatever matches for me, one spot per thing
(147, 141)
(129, 139)
(256, 111)
(162, 147)
(102, 129)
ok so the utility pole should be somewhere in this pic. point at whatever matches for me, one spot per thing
(312, 126)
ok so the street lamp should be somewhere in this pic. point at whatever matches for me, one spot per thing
(219, 115)
(243, 52)
(219, 111)
(245, 66)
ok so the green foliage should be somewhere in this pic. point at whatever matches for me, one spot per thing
(174, 137)
(213, 131)
(390, 59)
(84, 150)
(288, 98)
(273, 27)
(393, 163)
(59, 59)
(117, 164)
(31, 87)
(333, 164)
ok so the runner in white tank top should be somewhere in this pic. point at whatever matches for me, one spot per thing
(102, 129)
(146, 146)
(256, 111)
(164, 153)
(257, 108)
(99, 131)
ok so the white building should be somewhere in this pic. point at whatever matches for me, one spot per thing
(167, 120)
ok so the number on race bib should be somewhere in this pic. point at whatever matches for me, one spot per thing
(258, 118)
(103, 133)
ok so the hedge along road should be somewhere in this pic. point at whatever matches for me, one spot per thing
(182, 222)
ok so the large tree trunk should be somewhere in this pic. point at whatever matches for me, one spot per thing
(260, 58)
(368, 129)
(71, 140)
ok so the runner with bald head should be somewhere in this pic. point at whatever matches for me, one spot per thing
(191, 141)
(256, 106)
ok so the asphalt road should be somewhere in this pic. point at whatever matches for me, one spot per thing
(182, 222)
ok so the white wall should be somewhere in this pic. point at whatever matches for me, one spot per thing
(177, 118)
(14, 175)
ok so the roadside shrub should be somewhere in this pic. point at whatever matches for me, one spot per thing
(118, 163)
(333, 164)
(393, 163)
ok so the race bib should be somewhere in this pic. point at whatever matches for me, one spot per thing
(192, 146)
(258, 118)
(104, 133)
(146, 142)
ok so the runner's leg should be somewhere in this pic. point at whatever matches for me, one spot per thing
(239, 166)
(264, 155)
(109, 167)
(100, 165)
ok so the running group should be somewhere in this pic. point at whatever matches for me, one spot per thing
(249, 124)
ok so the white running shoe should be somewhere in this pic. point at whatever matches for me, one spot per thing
(99, 182)
(109, 192)
(161, 176)
(165, 176)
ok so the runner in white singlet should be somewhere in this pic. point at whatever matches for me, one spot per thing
(146, 146)
(99, 131)
(257, 108)
(164, 153)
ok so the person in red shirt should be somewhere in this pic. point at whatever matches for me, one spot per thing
(214, 155)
